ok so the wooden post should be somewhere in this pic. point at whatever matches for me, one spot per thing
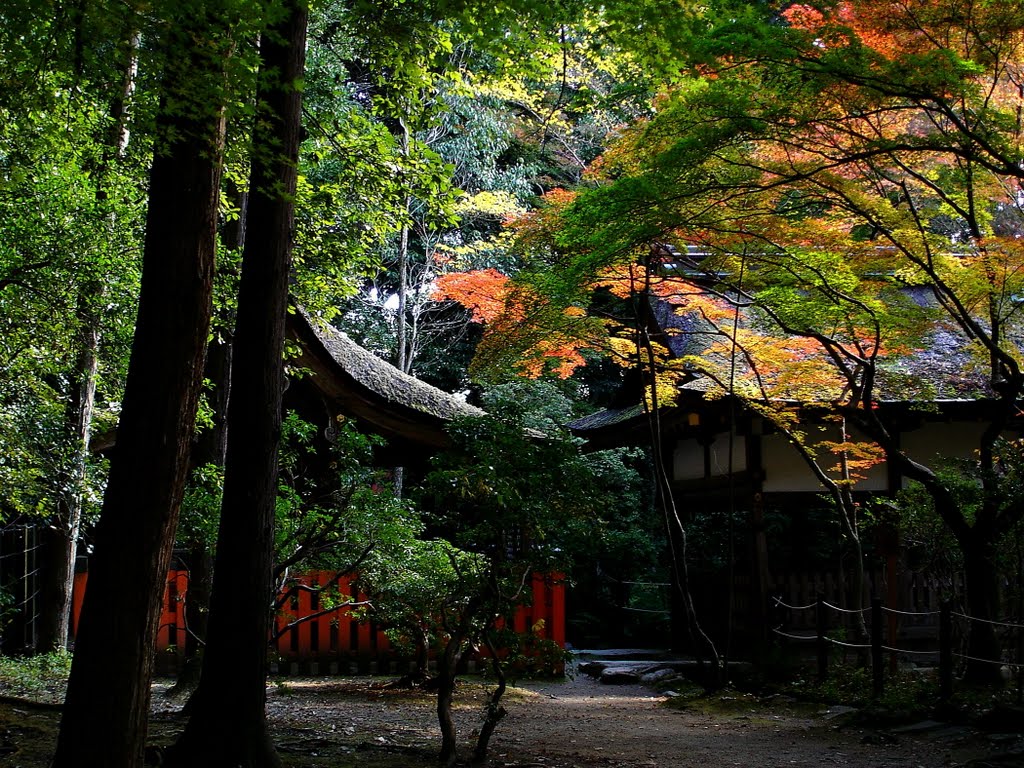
(821, 623)
(304, 609)
(181, 581)
(558, 609)
(877, 673)
(945, 651)
(892, 588)
(539, 608)
(323, 642)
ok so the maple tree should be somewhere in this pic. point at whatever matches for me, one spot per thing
(846, 176)
(516, 332)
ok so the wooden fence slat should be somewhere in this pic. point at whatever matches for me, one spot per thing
(519, 619)
(364, 631)
(324, 622)
(305, 608)
(77, 595)
(181, 582)
(337, 634)
(539, 609)
(163, 633)
(344, 642)
(558, 608)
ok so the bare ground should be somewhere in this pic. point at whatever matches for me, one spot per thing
(361, 723)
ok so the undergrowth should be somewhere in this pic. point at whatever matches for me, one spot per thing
(907, 696)
(42, 677)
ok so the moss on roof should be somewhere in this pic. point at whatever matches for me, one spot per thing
(362, 386)
(385, 380)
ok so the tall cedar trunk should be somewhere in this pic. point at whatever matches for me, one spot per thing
(210, 448)
(107, 703)
(228, 721)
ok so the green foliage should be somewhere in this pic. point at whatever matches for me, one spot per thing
(42, 677)
(515, 482)
(200, 508)
(419, 588)
(334, 506)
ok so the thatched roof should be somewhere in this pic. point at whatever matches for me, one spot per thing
(374, 392)
(940, 375)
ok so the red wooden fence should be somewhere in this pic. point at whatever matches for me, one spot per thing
(336, 641)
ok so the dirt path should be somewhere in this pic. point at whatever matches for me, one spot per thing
(586, 723)
(583, 724)
(360, 723)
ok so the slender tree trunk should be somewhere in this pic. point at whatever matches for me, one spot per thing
(494, 711)
(57, 577)
(60, 546)
(847, 509)
(404, 359)
(228, 722)
(446, 667)
(107, 703)
(404, 356)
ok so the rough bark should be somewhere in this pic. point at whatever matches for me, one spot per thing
(231, 698)
(107, 703)
(445, 681)
(210, 448)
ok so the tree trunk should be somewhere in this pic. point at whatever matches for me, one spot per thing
(57, 572)
(494, 712)
(210, 448)
(197, 612)
(57, 577)
(983, 602)
(107, 703)
(446, 667)
(231, 698)
(404, 357)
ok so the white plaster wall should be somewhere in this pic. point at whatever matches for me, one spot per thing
(942, 439)
(786, 470)
(688, 461)
(720, 455)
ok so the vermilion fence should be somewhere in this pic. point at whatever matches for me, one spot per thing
(333, 640)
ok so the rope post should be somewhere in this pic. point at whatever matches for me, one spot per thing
(877, 673)
(945, 651)
(821, 621)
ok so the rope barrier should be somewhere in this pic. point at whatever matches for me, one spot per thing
(845, 610)
(988, 621)
(779, 602)
(841, 644)
(1012, 665)
(907, 651)
(910, 613)
(794, 637)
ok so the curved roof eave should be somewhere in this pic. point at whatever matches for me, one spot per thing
(388, 401)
